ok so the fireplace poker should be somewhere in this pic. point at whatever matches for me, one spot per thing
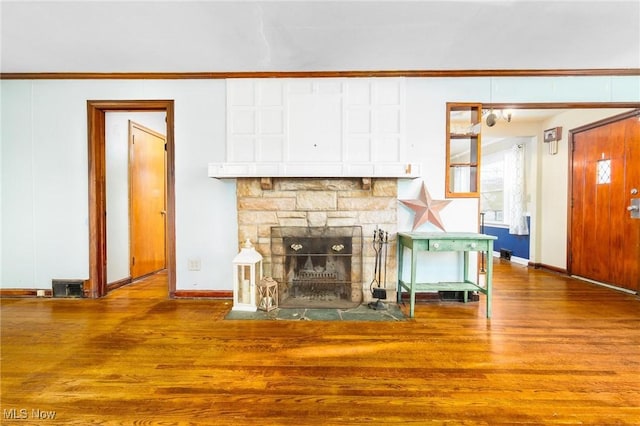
(375, 264)
(380, 243)
(386, 250)
(381, 246)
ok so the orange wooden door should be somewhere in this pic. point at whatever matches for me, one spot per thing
(605, 239)
(147, 200)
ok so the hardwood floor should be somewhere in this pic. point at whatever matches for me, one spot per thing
(556, 351)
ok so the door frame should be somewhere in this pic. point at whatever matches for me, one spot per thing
(571, 135)
(96, 117)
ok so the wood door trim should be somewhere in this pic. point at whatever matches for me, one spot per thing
(147, 129)
(96, 111)
(560, 105)
(571, 134)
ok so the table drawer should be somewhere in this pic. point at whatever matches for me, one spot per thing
(458, 245)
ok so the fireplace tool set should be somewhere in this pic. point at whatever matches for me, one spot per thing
(378, 284)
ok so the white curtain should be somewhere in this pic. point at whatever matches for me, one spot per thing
(461, 179)
(515, 185)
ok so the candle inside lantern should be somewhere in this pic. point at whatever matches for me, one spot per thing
(246, 291)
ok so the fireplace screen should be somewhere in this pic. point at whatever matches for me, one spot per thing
(318, 267)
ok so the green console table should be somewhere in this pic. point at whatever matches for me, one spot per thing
(439, 242)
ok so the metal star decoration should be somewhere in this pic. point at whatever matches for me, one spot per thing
(426, 209)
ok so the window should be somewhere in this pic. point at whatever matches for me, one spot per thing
(492, 197)
(604, 172)
(503, 187)
(464, 122)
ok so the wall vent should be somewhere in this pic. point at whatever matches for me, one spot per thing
(505, 254)
(68, 288)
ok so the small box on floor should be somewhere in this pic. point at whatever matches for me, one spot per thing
(458, 296)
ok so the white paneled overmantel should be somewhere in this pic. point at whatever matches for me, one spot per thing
(325, 127)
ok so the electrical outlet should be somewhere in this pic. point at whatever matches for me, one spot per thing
(40, 293)
(193, 264)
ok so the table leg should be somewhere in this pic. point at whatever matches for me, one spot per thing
(465, 275)
(400, 260)
(489, 278)
(414, 267)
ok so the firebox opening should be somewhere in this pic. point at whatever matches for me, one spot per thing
(318, 267)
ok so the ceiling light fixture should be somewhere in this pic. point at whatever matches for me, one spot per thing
(491, 118)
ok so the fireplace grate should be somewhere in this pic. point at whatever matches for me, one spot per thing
(317, 276)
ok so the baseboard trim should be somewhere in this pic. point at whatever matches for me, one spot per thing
(24, 292)
(514, 259)
(423, 296)
(117, 284)
(611, 286)
(179, 294)
(537, 265)
(203, 294)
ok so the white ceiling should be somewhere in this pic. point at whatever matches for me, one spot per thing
(239, 36)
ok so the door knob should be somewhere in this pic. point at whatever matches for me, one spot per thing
(163, 212)
(633, 208)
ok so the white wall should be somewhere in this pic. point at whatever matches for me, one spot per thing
(44, 166)
(44, 179)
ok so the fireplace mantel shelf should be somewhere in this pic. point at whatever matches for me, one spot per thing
(314, 169)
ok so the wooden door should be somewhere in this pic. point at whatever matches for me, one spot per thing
(605, 238)
(147, 200)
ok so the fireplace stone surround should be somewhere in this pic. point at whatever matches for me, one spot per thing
(320, 203)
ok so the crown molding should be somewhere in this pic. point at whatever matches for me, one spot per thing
(316, 74)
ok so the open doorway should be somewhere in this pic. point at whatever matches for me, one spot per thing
(97, 112)
(548, 189)
(136, 195)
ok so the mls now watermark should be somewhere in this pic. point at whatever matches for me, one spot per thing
(27, 414)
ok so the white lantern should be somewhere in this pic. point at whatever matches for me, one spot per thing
(246, 272)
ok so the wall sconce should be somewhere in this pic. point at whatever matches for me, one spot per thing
(551, 137)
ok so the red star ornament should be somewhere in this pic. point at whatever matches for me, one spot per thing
(426, 209)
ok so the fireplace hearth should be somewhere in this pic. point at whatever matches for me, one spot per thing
(318, 267)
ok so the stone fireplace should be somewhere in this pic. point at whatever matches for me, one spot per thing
(333, 220)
